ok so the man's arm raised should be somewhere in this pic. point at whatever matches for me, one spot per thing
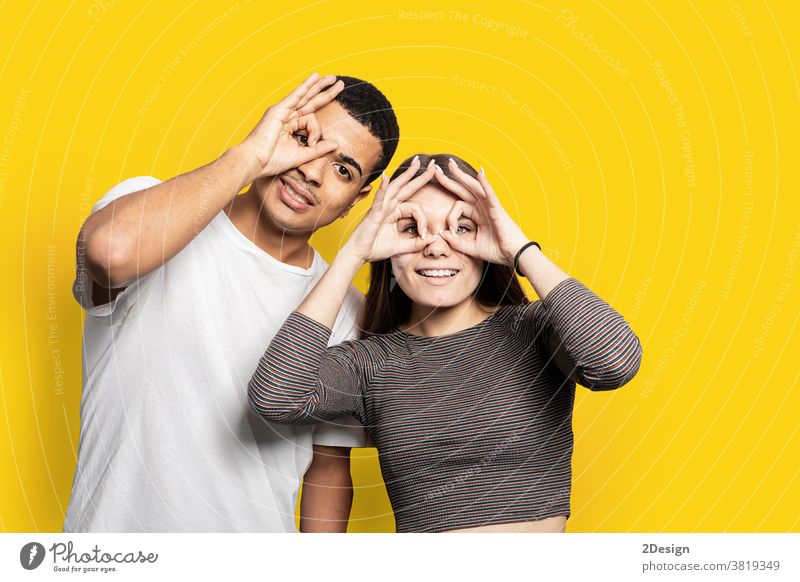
(139, 232)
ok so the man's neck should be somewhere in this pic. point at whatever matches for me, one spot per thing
(244, 212)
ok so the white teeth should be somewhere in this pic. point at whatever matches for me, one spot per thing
(438, 273)
(294, 194)
(296, 197)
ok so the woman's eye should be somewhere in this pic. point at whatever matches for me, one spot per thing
(411, 229)
(343, 171)
(463, 229)
(301, 137)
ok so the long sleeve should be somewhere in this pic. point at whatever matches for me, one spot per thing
(583, 335)
(300, 380)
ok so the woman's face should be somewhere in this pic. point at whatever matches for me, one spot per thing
(437, 276)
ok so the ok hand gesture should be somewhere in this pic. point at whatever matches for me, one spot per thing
(377, 236)
(288, 135)
(498, 238)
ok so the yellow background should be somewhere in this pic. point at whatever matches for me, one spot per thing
(651, 147)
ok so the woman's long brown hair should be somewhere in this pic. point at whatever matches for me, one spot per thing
(387, 307)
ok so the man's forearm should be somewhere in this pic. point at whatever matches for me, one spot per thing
(327, 491)
(139, 232)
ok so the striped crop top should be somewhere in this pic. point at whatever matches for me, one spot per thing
(472, 428)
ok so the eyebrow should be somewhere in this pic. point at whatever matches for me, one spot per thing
(412, 219)
(347, 159)
(351, 162)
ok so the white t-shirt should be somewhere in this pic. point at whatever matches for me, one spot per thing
(168, 441)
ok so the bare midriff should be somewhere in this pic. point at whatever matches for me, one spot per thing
(556, 524)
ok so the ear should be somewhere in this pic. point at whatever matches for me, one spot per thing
(363, 193)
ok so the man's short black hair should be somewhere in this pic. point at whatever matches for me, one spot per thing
(365, 103)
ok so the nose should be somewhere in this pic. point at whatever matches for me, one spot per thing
(312, 171)
(438, 247)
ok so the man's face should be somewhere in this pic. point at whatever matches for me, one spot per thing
(317, 193)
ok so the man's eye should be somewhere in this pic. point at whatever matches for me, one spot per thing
(343, 171)
(301, 137)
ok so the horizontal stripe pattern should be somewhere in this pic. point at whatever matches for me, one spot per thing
(472, 428)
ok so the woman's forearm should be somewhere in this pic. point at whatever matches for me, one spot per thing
(543, 273)
(288, 384)
(298, 380)
(323, 303)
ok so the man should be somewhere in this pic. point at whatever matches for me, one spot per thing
(184, 284)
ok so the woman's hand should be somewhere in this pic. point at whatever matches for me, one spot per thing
(288, 135)
(498, 238)
(377, 236)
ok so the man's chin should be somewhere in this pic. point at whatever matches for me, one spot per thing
(276, 212)
(286, 218)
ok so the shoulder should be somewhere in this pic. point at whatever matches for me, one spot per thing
(127, 186)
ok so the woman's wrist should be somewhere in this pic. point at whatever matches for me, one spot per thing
(513, 250)
(347, 258)
(522, 250)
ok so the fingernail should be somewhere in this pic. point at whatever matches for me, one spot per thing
(424, 233)
(416, 159)
(452, 161)
(482, 173)
(431, 163)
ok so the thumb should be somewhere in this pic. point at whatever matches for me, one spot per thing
(318, 150)
(457, 243)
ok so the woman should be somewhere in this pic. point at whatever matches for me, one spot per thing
(465, 387)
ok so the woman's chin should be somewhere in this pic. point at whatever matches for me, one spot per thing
(438, 300)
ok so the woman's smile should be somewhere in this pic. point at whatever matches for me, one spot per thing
(438, 276)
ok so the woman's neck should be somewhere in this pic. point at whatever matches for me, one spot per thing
(434, 321)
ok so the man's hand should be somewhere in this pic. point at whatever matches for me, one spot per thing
(288, 135)
(141, 231)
